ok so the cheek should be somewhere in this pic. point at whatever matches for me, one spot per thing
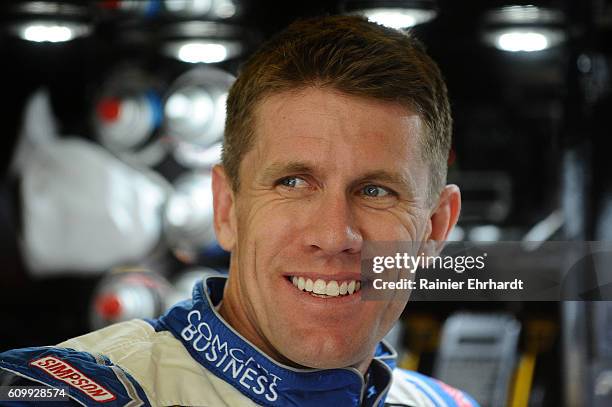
(268, 228)
(396, 225)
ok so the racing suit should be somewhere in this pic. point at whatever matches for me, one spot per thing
(192, 357)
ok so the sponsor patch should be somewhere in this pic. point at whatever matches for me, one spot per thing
(65, 372)
(455, 394)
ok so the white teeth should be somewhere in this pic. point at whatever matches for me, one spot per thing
(309, 285)
(324, 289)
(319, 287)
(332, 289)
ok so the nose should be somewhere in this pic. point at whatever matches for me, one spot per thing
(332, 228)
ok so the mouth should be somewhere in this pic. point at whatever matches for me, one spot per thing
(325, 288)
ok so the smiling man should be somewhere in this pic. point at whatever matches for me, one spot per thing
(337, 134)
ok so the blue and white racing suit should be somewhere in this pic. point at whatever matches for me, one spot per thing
(192, 357)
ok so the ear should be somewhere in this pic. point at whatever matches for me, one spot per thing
(223, 206)
(444, 216)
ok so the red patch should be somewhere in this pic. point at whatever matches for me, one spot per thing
(72, 376)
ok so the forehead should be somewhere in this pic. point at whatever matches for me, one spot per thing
(319, 120)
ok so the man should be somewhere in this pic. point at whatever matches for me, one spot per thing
(337, 133)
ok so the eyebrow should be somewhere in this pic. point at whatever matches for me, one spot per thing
(398, 180)
(278, 169)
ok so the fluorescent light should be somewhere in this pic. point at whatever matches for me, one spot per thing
(522, 41)
(524, 28)
(194, 52)
(532, 39)
(398, 18)
(50, 31)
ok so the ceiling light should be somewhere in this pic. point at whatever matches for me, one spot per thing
(400, 18)
(206, 52)
(396, 14)
(201, 42)
(42, 21)
(524, 28)
(522, 41)
(46, 32)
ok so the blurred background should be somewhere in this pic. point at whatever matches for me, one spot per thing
(112, 115)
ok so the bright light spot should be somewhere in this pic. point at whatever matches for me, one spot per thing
(225, 9)
(178, 106)
(179, 210)
(202, 107)
(195, 52)
(392, 19)
(398, 18)
(47, 33)
(522, 41)
(485, 233)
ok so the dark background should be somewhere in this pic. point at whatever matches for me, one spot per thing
(518, 114)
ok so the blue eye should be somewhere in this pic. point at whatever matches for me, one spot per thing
(374, 191)
(292, 182)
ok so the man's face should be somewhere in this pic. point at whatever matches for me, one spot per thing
(327, 172)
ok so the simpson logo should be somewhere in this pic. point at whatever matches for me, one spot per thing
(65, 372)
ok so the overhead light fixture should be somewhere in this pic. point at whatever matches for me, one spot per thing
(398, 14)
(53, 22)
(201, 42)
(50, 31)
(524, 28)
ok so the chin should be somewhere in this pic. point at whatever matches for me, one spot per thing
(331, 354)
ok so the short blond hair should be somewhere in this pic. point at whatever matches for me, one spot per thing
(351, 55)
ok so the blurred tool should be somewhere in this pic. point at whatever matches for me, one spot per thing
(84, 211)
(194, 112)
(206, 9)
(127, 293)
(188, 218)
(478, 354)
(145, 8)
(128, 114)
